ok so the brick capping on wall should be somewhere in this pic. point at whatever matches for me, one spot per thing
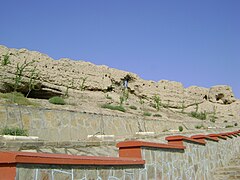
(217, 136)
(63, 159)
(9, 161)
(178, 140)
(133, 148)
(203, 137)
(130, 153)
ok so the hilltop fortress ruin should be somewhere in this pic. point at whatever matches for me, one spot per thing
(55, 77)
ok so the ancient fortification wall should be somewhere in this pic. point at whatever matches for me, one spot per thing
(54, 76)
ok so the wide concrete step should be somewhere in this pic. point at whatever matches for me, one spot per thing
(227, 173)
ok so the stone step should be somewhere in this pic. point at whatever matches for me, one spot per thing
(227, 173)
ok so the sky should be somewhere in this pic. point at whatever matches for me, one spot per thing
(192, 42)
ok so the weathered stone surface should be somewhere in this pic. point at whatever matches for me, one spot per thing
(56, 77)
(221, 94)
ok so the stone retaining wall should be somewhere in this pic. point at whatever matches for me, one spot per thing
(182, 158)
(65, 125)
(196, 162)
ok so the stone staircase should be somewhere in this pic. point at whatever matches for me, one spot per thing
(229, 172)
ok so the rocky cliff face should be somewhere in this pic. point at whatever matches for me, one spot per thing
(76, 78)
(55, 76)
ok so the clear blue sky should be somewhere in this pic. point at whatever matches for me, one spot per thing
(193, 42)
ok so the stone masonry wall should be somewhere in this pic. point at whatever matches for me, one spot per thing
(30, 172)
(64, 125)
(195, 162)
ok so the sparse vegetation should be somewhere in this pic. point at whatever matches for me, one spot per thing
(147, 114)
(5, 60)
(157, 115)
(16, 97)
(228, 126)
(141, 101)
(19, 73)
(32, 80)
(180, 128)
(20, 70)
(124, 97)
(199, 126)
(66, 92)
(196, 108)
(82, 85)
(125, 94)
(112, 107)
(157, 102)
(121, 99)
(213, 118)
(133, 107)
(225, 121)
(183, 107)
(57, 100)
(201, 115)
(14, 131)
(108, 97)
(214, 110)
(71, 85)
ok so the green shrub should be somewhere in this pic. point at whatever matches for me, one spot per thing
(133, 107)
(5, 60)
(32, 84)
(201, 115)
(57, 100)
(125, 94)
(82, 85)
(124, 97)
(14, 131)
(180, 128)
(157, 101)
(235, 124)
(213, 119)
(153, 105)
(157, 115)
(121, 99)
(199, 126)
(109, 106)
(147, 114)
(225, 121)
(16, 97)
(228, 126)
(141, 101)
(108, 97)
(20, 69)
